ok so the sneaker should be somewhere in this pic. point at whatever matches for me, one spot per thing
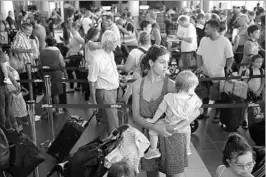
(152, 154)
(7, 81)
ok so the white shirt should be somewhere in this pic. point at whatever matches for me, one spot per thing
(86, 22)
(103, 71)
(189, 32)
(136, 54)
(214, 55)
(75, 43)
(115, 29)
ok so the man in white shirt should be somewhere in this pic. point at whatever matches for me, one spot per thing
(104, 79)
(213, 55)
(188, 35)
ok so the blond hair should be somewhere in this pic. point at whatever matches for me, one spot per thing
(186, 80)
(108, 36)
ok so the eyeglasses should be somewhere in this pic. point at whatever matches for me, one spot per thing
(248, 165)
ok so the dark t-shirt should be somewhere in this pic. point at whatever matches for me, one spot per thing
(200, 34)
(10, 21)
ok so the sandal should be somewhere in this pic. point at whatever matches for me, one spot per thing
(202, 116)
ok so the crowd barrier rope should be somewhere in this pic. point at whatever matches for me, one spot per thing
(47, 81)
(132, 80)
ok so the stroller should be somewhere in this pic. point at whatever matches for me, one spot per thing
(89, 160)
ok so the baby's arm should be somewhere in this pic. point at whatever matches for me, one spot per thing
(161, 109)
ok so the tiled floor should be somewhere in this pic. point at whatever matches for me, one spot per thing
(207, 141)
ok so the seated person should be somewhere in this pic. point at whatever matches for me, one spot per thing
(238, 160)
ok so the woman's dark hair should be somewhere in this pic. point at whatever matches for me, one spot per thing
(252, 28)
(153, 53)
(255, 57)
(92, 32)
(50, 41)
(236, 146)
(144, 24)
(121, 169)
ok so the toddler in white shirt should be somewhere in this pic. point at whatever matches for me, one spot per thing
(178, 107)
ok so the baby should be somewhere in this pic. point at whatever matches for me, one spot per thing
(177, 106)
(3, 65)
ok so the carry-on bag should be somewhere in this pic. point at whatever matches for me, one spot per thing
(68, 137)
(24, 155)
(231, 117)
(89, 160)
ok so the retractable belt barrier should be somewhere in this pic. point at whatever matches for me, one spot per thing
(132, 80)
(88, 106)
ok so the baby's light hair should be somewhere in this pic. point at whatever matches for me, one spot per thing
(185, 80)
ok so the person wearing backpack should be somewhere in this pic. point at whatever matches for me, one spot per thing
(134, 60)
(135, 55)
(255, 85)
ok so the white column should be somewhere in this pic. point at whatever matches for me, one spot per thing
(180, 6)
(76, 4)
(97, 4)
(6, 6)
(133, 8)
(206, 6)
(62, 9)
(44, 8)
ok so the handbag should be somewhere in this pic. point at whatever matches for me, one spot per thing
(24, 155)
(17, 104)
(237, 88)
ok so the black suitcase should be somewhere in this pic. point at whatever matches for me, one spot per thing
(231, 117)
(68, 137)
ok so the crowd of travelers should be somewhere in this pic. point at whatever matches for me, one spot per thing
(220, 43)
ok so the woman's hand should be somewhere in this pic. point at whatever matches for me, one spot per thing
(163, 130)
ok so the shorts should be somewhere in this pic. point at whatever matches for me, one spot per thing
(214, 91)
(162, 121)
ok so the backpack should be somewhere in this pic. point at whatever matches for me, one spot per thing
(4, 151)
(251, 72)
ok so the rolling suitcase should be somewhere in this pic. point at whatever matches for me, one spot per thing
(231, 117)
(67, 137)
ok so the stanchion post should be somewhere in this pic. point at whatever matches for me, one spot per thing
(28, 65)
(31, 112)
(47, 82)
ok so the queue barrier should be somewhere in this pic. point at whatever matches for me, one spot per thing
(31, 105)
(90, 106)
(132, 80)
